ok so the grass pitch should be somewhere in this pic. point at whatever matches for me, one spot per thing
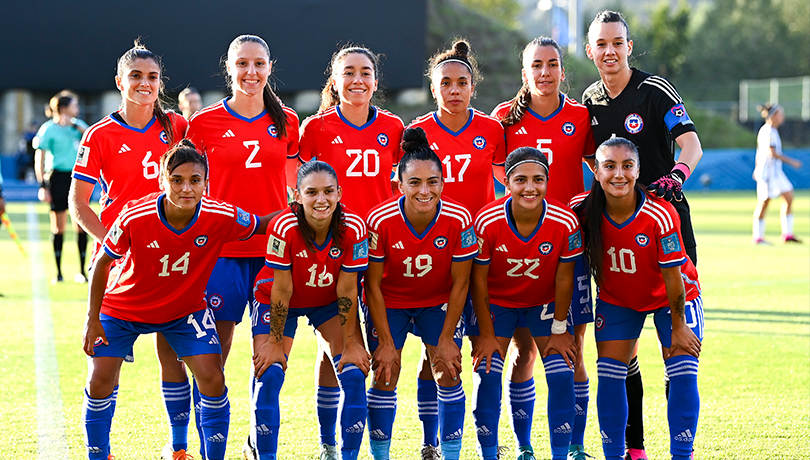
(754, 370)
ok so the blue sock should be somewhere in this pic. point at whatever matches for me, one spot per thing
(561, 412)
(451, 419)
(428, 411)
(328, 399)
(215, 418)
(266, 416)
(487, 389)
(611, 404)
(684, 404)
(353, 409)
(97, 417)
(382, 408)
(582, 396)
(177, 398)
(521, 404)
(195, 398)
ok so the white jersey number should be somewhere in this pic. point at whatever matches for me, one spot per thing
(545, 150)
(531, 265)
(207, 322)
(250, 163)
(583, 285)
(324, 278)
(370, 159)
(150, 168)
(464, 159)
(423, 263)
(626, 260)
(181, 265)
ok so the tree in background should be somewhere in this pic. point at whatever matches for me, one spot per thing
(503, 11)
(662, 44)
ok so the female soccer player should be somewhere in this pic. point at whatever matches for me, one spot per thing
(315, 251)
(420, 253)
(543, 117)
(122, 152)
(647, 110)
(471, 147)
(525, 268)
(633, 239)
(771, 179)
(57, 142)
(362, 142)
(170, 242)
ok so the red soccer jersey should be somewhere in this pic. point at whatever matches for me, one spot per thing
(417, 267)
(635, 252)
(314, 274)
(522, 269)
(363, 156)
(124, 160)
(467, 156)
(247, 163)
(565, 137)
(165, 274)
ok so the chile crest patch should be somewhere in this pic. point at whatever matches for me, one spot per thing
(546, 248)
(272, 131)
(201, 240)
(634, 123)
(440, 242)
(479, 142)
(568, 128)
(642, 240)
(382, 139)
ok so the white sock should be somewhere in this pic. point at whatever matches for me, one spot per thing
(759, 228)
(787, 224)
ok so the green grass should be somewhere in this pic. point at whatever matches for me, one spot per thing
(754, 371)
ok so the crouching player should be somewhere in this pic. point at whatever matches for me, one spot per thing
(636, 254)
(315, 251)
(528, 247)
(170, 242)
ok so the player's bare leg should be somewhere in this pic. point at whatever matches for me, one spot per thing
(759, 221)
(225, 331)
(787, 219)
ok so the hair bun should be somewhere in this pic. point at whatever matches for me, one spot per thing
(414, 139)
(461, 48)
(187, 143)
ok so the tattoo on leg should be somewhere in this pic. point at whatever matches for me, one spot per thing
(344, 305)
(278, 315)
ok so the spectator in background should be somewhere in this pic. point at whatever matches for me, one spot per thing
(56, 144)
(771, 179)
(189, 101)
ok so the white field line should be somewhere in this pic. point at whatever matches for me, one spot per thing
(51, 439)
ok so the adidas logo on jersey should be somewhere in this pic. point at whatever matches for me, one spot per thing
(337, 140)
(124, 148)
(522, 130)
(263, 430)
(399, 245)
(154, 245)
(685, 436)
(520, 414)
(484, 431)
(434, 146)
(377, 434)
(502, 248)
(605, 438)
(356, 428)
(229, 133)
(302, 254)
(594, 122)
(219, 437)
(455, 435)
(563, 429)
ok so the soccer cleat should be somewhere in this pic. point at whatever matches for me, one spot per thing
(525, 453)
(577, 452)
(430, 452)
(761, 242)
(169, 454)
(329, 452)
(502, 451)
(635, 454)
(248, 451)
(790, 239)
(111, 457)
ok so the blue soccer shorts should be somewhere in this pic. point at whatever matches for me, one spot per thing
(260, 317)
(428, 320)
(538, 319)
(230, 287)
(619, 323)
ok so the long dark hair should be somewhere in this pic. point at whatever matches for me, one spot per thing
(337, 222)
(524, 95)
(138, 51)
(329, 95)
(272, 103)
(181, 153)
(591, 210)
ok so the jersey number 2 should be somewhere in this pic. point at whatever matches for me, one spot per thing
(249, 163)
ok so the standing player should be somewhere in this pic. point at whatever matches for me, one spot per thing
(420, 253)
(471, 147)
(57, 142)
(362, 142)
(647, 110)
(541, 116)
(315, 251)
(169, 242)
(771, 179)
(633, 239)
(249, 139)
(122, 153)
(189, 101)
(528, 246)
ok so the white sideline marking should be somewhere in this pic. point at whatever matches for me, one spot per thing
(51, 439)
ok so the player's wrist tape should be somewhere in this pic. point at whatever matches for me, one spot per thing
(683, 169)
(559, 327)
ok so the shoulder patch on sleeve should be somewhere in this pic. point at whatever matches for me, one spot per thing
(114, 233)
(242, 217)
(83, 155)
(276, 246)
(671, 244)
(575, 241)
(372, 239)
(360, 250)
(468, 238)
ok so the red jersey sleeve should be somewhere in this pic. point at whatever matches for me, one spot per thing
(278, 254)
(356, 244)
(117, 241)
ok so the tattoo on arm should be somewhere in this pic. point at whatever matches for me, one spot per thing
(678, 309)
(278, 315)
(486, 301)
(344, 305)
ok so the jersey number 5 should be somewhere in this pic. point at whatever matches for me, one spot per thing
(545, 150)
